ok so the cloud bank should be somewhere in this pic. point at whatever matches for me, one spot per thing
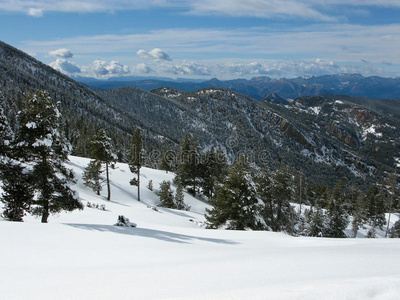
(62, 53)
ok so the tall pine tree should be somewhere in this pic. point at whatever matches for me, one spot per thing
(136, 158)
(43, 146)
(102, 151)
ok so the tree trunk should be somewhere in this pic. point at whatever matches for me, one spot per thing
(108, 184)
(138, 184)
(45, 214)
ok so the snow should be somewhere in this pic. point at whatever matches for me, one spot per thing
(81, 255)
(372, 130)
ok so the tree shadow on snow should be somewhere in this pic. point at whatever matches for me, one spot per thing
(151, 233)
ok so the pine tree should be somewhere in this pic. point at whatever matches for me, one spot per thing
(102, 151)
(275, 192)
(166, 195)
(317, 223)
(375, 206)
(136, 158)
(180, 199)
(166, 161)
(235, 202)
(6, 135)
(92, 176)
(395, 230)
(189, 167)
(17, 192)
(41, 143)
(338, 220)
(214, 169)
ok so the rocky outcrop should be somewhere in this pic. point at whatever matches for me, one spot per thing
(343, 134)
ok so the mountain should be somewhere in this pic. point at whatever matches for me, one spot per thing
(258, 87)
(326, 136)
(83, 110)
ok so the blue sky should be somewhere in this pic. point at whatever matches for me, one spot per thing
(207, 38)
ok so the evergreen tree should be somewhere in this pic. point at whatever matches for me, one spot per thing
(337, 215)
(165, 162)
(136, 158)
(180, 199)
(317, 223)
(338, 220)
(358, 213)
(282, 214)
(92, 176)
(375, 206)
(41, 143)
(6, 135)
(166, 195)
(17, 192)
(235, 201)
(189, 167)
(395, 230)
(214, 169)
(102, 151)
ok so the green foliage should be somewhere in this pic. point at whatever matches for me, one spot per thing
(180, 199)
(189, 164)
(41, 143)
(92, 176)
(166, 195)
(102, 151)
(17, 193)
(213, 170)
(317, 223)
(395, 230)
(375, 206)
(235, 201)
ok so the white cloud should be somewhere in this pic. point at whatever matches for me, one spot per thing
(186, 68)
(307, 9)
(62, 53)
(142, 69)
(156, 53)
(100, 68)
(65, 67)
(35, 12)
(258, 8)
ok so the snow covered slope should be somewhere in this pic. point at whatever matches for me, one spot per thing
(81, 255)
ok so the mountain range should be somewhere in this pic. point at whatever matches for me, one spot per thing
(325, 136)
(354, 85)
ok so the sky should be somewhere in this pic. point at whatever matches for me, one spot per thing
(206, 39)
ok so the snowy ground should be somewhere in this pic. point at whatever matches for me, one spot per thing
(81, 255)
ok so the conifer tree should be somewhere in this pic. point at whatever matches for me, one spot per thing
(180, 199)
(375, 206)
(136, 158)
(214, 169)
(235, 202)
(102, 151)
(338, 221)
(41, 143)
(275, 192)
(189, 168)
(166, 195)
(92, 176)
(17, 192)
(318, 224)
(6, 135)
(165, 162)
